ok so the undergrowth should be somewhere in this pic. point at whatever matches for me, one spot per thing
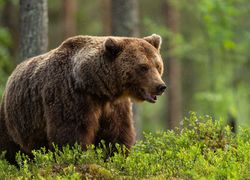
(203, 148)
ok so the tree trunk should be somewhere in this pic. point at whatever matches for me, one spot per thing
(125, 18)
(106, 17)
(125, 22)
(33, 28)
(174, 70)
(69, 18)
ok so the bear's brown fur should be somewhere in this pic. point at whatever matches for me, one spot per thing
(80, 92)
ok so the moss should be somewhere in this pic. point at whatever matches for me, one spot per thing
(95, 171)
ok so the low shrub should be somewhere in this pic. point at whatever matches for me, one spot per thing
(202, 148)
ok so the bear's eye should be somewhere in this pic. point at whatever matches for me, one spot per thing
(144, 68)
(158, 67)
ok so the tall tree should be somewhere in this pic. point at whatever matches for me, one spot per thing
(69, 18)
(106, 17)
(33, 28)
(125, 18)
(125, 22)
(174, 69)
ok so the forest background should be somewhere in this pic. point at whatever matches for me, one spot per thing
(206, 50)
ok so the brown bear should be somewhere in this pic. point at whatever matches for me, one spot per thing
(80, 93)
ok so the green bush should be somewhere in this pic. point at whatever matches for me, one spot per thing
(203, 148)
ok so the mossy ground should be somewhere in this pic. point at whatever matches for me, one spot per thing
(203, 148)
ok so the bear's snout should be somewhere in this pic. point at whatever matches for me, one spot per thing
(161, 88)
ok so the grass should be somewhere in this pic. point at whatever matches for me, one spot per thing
(202, 149)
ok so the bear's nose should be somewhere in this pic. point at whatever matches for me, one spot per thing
(161, 88)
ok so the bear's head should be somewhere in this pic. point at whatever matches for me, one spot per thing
(138, 66)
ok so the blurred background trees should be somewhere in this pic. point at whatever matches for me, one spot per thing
(173, 67)
(69, 18)
(33, 25)
(205, 49)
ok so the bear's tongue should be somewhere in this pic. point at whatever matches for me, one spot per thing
(150, 98)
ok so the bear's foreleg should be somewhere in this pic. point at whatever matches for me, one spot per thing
(117, 126)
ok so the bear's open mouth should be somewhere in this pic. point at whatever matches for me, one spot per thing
(150, 97)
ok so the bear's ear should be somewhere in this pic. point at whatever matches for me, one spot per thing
(112, 47)
(154, 40)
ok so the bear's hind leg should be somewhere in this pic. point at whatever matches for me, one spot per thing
(7, 144)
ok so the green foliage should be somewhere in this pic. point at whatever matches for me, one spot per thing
(203, 148)
(5, 63)
(219, 29)
(212, 44)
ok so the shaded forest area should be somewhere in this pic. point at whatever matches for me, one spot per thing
(205, 48)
